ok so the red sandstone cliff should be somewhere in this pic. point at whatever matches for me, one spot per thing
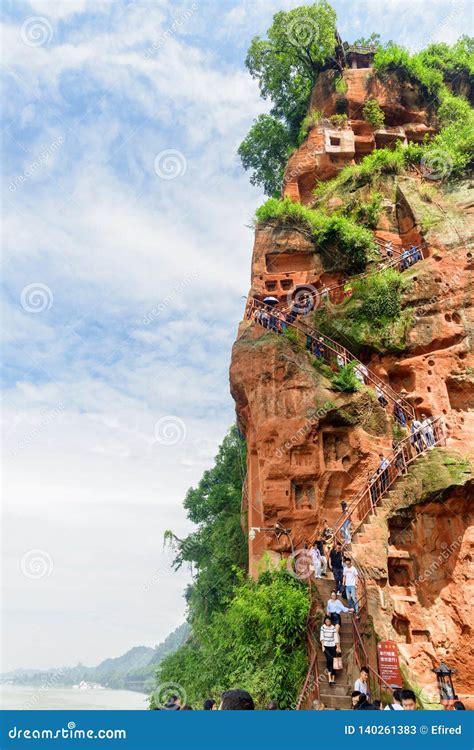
(309, 446)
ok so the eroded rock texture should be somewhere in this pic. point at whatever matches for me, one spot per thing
(309, 447)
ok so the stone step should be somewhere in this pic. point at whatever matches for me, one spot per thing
(336, 701)
(339, 690)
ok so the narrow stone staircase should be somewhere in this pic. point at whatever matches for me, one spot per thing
(337, 695)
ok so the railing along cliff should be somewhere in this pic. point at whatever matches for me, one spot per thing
(337, 293)
(417, 443)
(326, 349)
(311, 683)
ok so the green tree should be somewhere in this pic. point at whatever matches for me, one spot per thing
(299, 44)
(264, 151)
(368, 41)
(218, 547)
(257, 643)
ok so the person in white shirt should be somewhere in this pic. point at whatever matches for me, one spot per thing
(349, 580)
(317, 562)
(334, 608)
(330, 644)
(427, 431)
(362, 684)
(397, 702)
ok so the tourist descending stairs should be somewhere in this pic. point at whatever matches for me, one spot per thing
(418, 443)
(399, 259)
(316, 685)
(331, 352)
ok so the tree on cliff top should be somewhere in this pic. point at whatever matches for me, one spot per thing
(299, 44)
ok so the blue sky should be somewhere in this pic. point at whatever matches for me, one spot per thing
(126, 252)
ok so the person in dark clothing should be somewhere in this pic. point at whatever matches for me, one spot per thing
(237, 700)
(209, 705)
(187, 707)
(172, 704)
(337, 566)
(365, 705)
(459, 706)
(272, 706)
(355, 695)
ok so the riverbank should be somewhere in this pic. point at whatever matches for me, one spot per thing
(24, 697)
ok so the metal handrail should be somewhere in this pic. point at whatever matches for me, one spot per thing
(312, 673)
(336, 351)
(402, 456)
(334, 291)
(358, 642)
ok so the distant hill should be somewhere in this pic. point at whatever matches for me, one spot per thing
(134, 670)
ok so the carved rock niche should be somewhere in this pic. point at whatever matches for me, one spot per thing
(304, 496)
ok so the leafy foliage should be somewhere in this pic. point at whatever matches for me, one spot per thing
(257, 644)
(373, 113)
(338, 237)
(299, 43)
(395, 60)
(264, 151)
(311, 119)
(218, 547)
(366, 212)
(367, 41)
(345, 380)
(373, 319)
(380, 296)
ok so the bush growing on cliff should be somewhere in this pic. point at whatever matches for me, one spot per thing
(342, 242)
(380, 296)
(397, 61)
(373, 113)
(345, 380)
(257, 644)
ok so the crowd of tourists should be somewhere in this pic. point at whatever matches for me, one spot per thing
(241, 700)
(420, 430)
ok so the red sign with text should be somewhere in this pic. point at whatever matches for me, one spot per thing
(389, 668)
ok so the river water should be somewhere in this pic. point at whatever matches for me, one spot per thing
(44, 698)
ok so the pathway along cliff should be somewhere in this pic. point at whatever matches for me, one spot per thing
(353, 377)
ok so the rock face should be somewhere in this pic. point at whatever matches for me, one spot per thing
(309, 447)
(330, 147)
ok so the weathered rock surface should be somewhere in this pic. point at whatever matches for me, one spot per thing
(309, 447)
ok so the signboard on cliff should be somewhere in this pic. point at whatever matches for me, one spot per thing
(389, 668)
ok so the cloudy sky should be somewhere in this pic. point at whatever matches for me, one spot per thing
(126, 252)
